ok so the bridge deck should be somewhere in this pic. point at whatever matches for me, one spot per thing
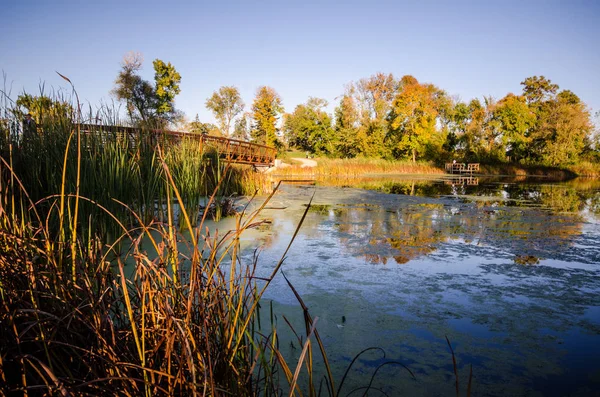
(462, 167)
(231, 150)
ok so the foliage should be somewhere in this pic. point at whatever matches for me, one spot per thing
(515, 120)
(226, 104)
(413, 118)
(148, 105)
(309, 128)
(266, 109)
(241, 129)
(346, 128)
(564, 127)
(198, 127)
(42, 108)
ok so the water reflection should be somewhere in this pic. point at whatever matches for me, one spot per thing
(410, 231)
(572, 196)
(507, 270)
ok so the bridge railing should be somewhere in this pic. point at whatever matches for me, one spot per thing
(462, 167)
(232, 150)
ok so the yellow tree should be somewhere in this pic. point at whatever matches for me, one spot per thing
(413, 117)
(266, 109)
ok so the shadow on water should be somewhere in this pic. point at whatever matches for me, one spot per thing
(507, 269)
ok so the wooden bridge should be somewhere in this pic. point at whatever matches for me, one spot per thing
(459, 168)
(231, 150)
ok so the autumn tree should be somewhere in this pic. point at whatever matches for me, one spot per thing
(309, 127)
(147, 104)
(413, 118)
(346, 128)
(43, 109)
(372, 98)
(226, 104)
(266, 110)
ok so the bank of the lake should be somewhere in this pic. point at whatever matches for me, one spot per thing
(357, 167)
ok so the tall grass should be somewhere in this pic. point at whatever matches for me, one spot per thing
(78, 317)
(175, 312)
(328, 170)
(116, 169)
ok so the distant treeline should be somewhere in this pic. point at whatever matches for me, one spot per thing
(383, 117)
(377, 117)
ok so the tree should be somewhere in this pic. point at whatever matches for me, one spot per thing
(373, 97)
(538, 89)
(515, 120)
(413, 118)
(225, 104)
(309, 127)
(148, 105)
(43, 109)
(346, 128)
(266, 109)
(376, 94)
(565, 128)
(167, 88)
(241, 129)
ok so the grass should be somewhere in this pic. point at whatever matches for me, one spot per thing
(110, 286)
(86, 308)
(351, 168)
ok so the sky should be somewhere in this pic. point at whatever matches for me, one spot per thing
(301, 49)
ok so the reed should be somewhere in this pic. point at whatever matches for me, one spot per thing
(327, 168)
(155, 321)
(174, 312)
(105, 291)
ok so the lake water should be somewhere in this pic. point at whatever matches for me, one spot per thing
(508, 270)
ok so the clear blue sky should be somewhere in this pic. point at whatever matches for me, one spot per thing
(301, 49)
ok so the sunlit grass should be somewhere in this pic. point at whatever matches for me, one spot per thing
(357, 167)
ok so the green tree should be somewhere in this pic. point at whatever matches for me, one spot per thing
(167, 81)
(515, 120)
(241, 129)
(198, 127)
(374, 96)
(563, 126)
(537, 90)
(266, 110)
(346, 128)
(309, 127)
(148, 105)
(566, 127)
(225, 104)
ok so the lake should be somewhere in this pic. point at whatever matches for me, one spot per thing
(508, 270)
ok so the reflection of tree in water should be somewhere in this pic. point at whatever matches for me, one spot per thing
(526, 260)
(419, 235)
(404, 234)
(572, 196)
(594, 203)
(558, 198)
(413, 231)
